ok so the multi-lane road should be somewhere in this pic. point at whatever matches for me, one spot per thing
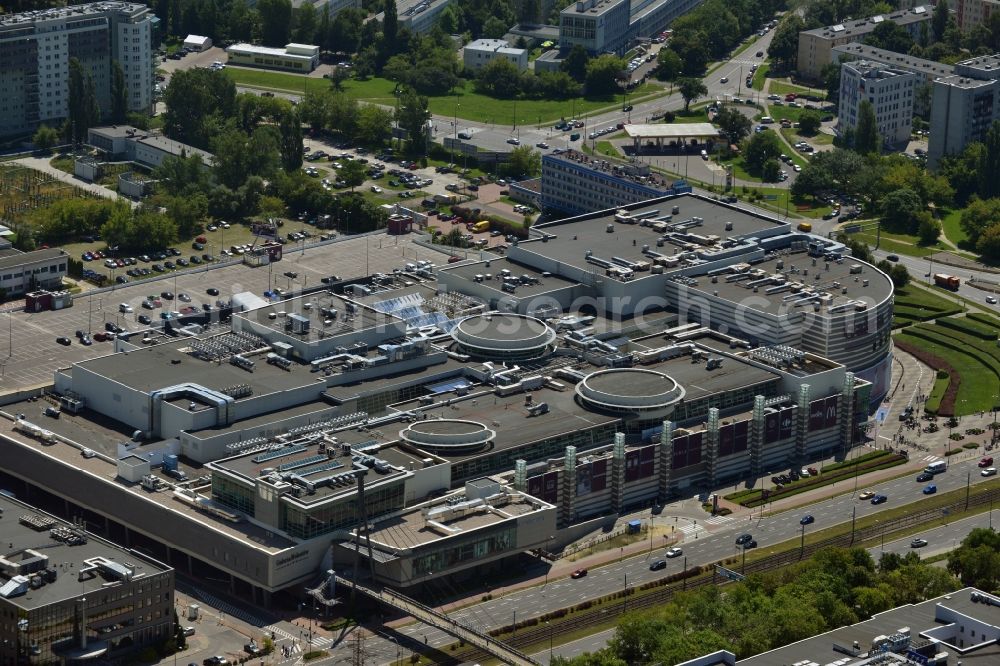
(707, 548)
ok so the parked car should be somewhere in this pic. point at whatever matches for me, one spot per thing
(64, 341)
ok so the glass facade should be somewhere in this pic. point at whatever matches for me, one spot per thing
(309, 523)
(457, 553)
(233, 494)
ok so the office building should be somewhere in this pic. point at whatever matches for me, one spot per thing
(928, 69)
(573, 182)
(21, 272)
(36, 47)
(599, 26)
(972, 13)
(815, 46)
(333, 7)
(417, 16)
(70, 597)
(611, 26)
(960, 627)
(293, 58)
(964, 106)
(481, 52)
(891, 93)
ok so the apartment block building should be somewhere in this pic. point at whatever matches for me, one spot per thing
(815, 46)
(964, 106)
(970, 13)
(36, 47)
(891, 93)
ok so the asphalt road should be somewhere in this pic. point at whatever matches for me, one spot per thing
(704, 548)
(922, 270)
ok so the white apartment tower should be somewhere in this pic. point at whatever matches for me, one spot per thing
(36, 47)
(891, 93)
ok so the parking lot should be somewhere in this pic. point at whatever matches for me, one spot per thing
(30, 353)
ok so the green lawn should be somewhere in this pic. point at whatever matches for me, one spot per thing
(466, 103)
(921, 298)
(783, 87)
(760, 77)
(898, 246)
(951, 224)
(696, 114)
(607, 148)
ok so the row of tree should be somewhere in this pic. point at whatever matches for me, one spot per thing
(832, 589)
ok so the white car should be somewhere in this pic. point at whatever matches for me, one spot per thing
(376, 189)
(992, 300)
(989, 471)
(674, 552)
(797, 168)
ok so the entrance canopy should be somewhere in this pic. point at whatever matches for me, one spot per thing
(672, 131)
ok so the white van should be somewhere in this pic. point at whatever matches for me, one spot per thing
(936, 467)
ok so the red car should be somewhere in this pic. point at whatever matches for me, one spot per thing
(986, 462)
(579, 573)
(454, 259)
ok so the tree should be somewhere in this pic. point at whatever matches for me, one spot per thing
(761, 147)
(784, 48)
(275, 21)
(603, 73)
(939, 21)
(412, 116)
(733, 124)
(890, 36)
(390, 27)
(691, 89)
(770, 171)
(338, 75)
(830, 76)
(305, 24)
(374, 125)
(196, 100)
(961, 172)
(989, 163)
(809, 122)
(900, 209)
(45, 137)
(977, 561)
(978, 216)
(529, 11)
(866, 138)
(575, 63)
(352, 173)
(988, 244)
(119, 94)
(448, 21)
(82, 102)
(692, 49)
(180, 175)
(499, 78)
(524, 162)
(344, 33)
(494, 28)
(290, 140)
(928, 229)
(668, 65)
(238, 156)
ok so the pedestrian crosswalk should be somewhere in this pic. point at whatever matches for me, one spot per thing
(931, 459)
(690, 530)
(719, 520)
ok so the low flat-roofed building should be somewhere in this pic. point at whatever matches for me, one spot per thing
(417, 16)
(481, 52)
(466, 532)
(197, 43)
(77, 597)
(293, 58)
(815, 46)
(962, 626)
(145, 147)
(21, 272)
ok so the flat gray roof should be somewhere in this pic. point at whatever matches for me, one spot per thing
(834, 278)
(928, 68)
(670, 130)
(575, 236)
(546, 283)
(865, 25)
(591, 7)
(918, 617)
(312, 307)
(22, 258)
(19, 536)
(170, 363)
(116, 131)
